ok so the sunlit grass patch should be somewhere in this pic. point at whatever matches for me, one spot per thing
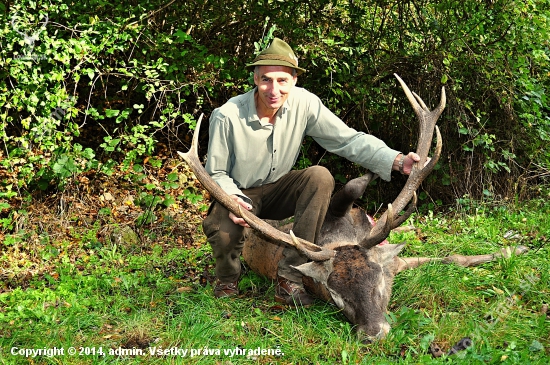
(155, 298)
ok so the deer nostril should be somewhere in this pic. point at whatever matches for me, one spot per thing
(384, 330)
(363, 336)
(367, 338)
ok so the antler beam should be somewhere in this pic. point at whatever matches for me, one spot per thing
(427, 120)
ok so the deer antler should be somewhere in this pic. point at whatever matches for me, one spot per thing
(419, 172)
(310, 250)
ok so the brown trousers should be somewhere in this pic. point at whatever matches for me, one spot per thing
(304, 194)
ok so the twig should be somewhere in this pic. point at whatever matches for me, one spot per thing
(151, 14)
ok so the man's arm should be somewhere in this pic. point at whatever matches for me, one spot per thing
(218, 165)
(336, 137)
(220, 150)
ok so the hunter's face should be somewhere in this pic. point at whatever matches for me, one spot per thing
(274, 84)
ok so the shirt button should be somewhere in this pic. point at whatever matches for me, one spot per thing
(274, 151)
(273, 169)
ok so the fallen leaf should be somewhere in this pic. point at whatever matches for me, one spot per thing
(277, 308)
(184, 289)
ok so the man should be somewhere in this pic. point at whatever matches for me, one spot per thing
(254, 142)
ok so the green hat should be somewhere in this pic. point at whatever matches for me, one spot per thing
(278, 53)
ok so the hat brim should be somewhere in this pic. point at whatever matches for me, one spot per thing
(276, 63)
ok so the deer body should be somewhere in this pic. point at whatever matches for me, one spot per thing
(358, 281)
(347, 266)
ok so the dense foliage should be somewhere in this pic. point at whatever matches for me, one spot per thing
(86, 85)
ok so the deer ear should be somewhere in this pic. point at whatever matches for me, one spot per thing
(383, 255)
(320, 271)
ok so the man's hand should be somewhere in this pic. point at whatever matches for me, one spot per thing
(245, 205)
(408, 162)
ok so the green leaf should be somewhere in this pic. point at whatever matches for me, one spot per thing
(426, 341)
(124, 115)
(90, 73)
(344, 357)
(146, 218)
(110, 113)
(168, 200)
(536, 346)
(88, 154)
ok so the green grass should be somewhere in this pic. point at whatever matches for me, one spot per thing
(113, 297)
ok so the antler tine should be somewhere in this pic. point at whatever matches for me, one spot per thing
(420, 101)
(312, 255)
(410, 96)
(427, 120)
(442, 102)
(386, 223)
(309, 249)
(402, 218)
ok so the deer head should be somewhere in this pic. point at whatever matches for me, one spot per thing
(353, 270)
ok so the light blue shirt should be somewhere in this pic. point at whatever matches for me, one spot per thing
(243, 152)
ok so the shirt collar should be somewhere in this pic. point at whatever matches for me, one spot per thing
(252, 113)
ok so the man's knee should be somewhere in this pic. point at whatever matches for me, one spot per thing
(219, 228)
(321, 177)
(211, 224)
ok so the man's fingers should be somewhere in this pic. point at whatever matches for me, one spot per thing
(237, 220)
(244, 204)
(414, 156)
(241, 202)
(410, 160)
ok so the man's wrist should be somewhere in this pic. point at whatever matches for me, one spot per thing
(396, 163)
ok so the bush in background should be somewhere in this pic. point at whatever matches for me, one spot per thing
(88, 85)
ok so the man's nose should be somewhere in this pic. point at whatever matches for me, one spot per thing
(273, 87)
